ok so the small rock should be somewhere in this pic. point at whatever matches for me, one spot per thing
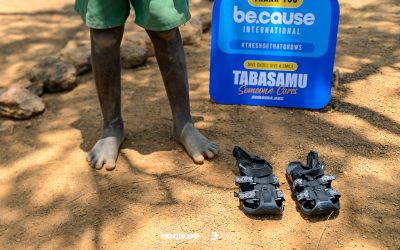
(132, 55)
(191, 32)
(19, 103)
(55, 74)
(78, 54)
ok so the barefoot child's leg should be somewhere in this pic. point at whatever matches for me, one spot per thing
(171, 60)
(106, 19)
(107, 76)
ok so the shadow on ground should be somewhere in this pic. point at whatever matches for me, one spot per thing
(103, 200)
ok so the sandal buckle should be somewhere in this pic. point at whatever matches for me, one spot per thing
(333, 192)
(279, 194)
(297, 183)
(305, 195)
(326, 179)
(275, 180)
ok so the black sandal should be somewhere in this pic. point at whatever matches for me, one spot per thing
(258, 193)
(312, 187)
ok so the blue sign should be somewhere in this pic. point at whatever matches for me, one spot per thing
(273, 52)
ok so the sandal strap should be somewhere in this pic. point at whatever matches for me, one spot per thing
(247, 195)
(310, 194)
(312, 170)
(270, 179)
(310, 174)
(265, 192)
(312, 159)
(323, 180)
(251, 165)
(244, 179)
(255, 169)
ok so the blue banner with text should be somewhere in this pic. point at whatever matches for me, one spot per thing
(273, 52)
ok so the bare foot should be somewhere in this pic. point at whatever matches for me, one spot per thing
(105, 151)
(196, 145)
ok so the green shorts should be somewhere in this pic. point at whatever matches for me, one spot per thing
(157, 15)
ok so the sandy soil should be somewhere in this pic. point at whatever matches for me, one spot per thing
(51, 199)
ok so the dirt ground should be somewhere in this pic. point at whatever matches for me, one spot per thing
(51, 199)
